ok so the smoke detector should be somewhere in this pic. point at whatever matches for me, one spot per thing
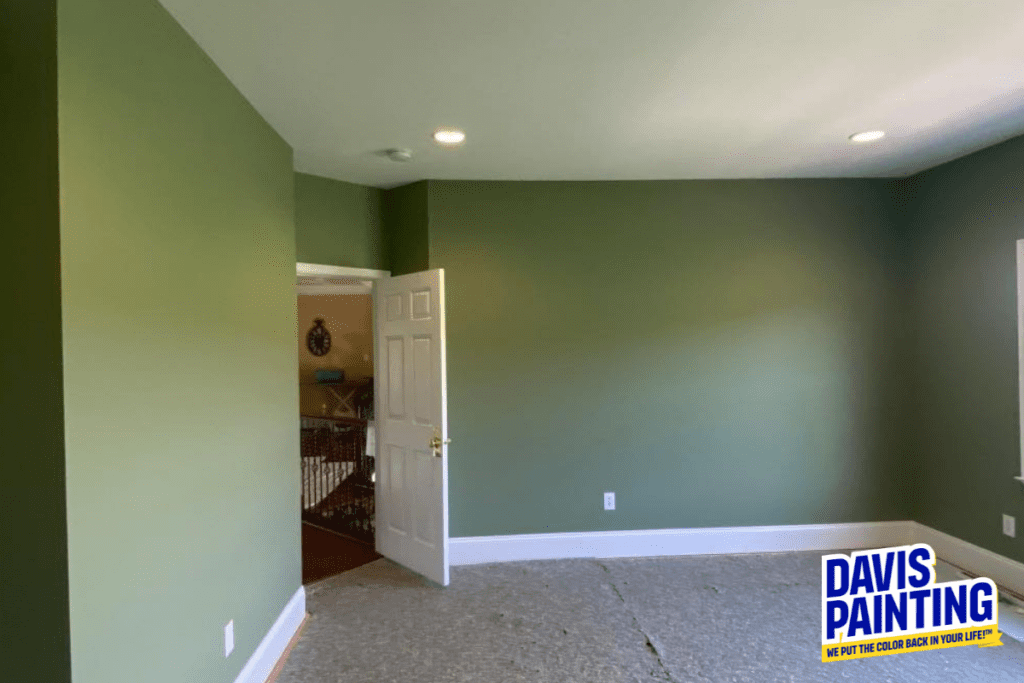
(398, 154)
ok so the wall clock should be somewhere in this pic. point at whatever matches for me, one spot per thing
(318, 340)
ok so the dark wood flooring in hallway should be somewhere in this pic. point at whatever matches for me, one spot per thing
(325, 553)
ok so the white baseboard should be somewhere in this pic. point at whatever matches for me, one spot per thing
(274, 643)
(662, 542)
(725, 540)
(1004, 571)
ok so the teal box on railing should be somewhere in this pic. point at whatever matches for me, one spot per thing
(330, 376)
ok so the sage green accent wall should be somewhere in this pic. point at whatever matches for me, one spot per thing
(33, 538)
(407, 229)
(338, 223)
(717, 353)
(179, 315)
(969, 214)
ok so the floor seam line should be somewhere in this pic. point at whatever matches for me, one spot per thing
(636, 625)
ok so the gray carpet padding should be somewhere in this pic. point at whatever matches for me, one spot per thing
(717, 618)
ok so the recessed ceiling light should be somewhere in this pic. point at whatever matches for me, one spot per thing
(449, 136)
(867, 136)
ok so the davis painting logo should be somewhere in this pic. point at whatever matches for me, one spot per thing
(883, 602)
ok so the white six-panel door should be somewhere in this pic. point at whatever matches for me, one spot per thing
(412, 424)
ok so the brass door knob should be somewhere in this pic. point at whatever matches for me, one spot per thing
(436, 442)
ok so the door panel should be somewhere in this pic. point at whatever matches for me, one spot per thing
(423, 389)
(394, 516)
(395, 357)
(412, 502)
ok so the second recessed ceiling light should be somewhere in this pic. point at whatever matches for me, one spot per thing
(449, 137)
(867, 136)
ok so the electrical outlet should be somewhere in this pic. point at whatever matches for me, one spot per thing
(229, 637)
(1010, 526)
(609, 500)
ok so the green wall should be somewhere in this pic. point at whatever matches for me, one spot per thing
(967, 218)
(33, 539)
(178, 249)
(716, 352)
(338, 223)
(407, 228)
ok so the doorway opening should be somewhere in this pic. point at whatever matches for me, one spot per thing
(374, 422)
(336, 413)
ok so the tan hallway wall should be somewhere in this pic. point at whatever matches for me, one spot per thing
(349, 319)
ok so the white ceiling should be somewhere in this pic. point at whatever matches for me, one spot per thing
(633, 89)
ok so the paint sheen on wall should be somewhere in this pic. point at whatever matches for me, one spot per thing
(969, 215)
(178, 252)
(717, 353)
(33, 540)
(338, 223)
